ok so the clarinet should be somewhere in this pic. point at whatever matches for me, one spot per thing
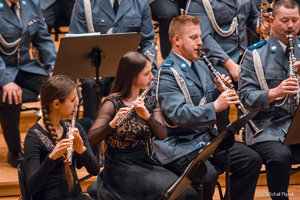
(131, 106)
(293, 69)
(70, 149)
(256, 132)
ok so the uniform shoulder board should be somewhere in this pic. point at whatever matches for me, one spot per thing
(167, 63)
(257, 45)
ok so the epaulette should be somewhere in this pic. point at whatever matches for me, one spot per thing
(167, 63)
(257, 45)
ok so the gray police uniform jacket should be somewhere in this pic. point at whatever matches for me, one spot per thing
(132, 16)
(272, 120)
(33, 30)
(193, 123)
(217, 47)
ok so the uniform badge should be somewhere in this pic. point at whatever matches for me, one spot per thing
(298, 45)
(1, 5)
(24, 2)
(183, 65)
(273, 48)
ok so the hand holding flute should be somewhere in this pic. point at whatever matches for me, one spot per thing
(137, 105)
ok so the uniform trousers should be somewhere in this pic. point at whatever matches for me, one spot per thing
(164, 11)
(58, 14)
(10, 114)
(278, 159)
(245, 165)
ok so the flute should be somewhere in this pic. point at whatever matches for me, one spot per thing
(143, 95)
(71, 136)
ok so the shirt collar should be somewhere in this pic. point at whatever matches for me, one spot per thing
(113, 1)
(9, 4)
(282, 45)
(189, 63)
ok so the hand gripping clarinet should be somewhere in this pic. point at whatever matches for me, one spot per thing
(256, 132)
(293, 69)
(70, 136)
(143, 95)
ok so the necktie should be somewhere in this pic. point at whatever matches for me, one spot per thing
(287, 53)
(116, 6)
(195, 70)
(12, 7)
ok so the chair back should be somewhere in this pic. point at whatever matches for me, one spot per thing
(25, 195)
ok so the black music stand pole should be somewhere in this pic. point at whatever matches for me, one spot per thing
(198, 163)
(95, 57)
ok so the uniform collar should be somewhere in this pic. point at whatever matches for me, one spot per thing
(189, 63)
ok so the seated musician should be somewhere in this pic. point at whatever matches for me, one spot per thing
(49, 175)
(191, 116)
(129, 172)
(21, 25)
(265, 81)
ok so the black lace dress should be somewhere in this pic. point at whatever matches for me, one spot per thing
(129, 172)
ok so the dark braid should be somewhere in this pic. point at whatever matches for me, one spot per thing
(56, 87)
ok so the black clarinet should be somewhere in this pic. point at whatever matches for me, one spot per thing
(256, 132)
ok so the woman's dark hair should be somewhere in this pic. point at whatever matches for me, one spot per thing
(131, 64)
(56, 87)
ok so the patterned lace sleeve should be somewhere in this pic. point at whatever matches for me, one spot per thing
(101, 129)
(156, 123)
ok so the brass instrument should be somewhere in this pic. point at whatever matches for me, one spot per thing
(256, 132)
(70, 136)
(263, 9)
(154, 47)
(143, 95)
(293, 69)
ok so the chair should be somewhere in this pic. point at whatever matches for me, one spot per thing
(27, 97)
(25, 195)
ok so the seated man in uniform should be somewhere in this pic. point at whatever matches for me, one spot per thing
(265, 81)
(21, 24)
(191, 115)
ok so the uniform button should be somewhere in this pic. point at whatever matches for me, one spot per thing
(206, 117)
(132, 23)
(116, 25)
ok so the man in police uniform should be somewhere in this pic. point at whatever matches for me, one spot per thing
(191, 122)
(21, 24)
(112, 16)
(265, 82)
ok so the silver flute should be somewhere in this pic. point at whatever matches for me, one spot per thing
(71, 136)
(256, 132)
(293, 69)
(131, 106)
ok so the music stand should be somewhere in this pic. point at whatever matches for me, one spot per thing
(183, 182)
(80, 57)
(292, 136)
